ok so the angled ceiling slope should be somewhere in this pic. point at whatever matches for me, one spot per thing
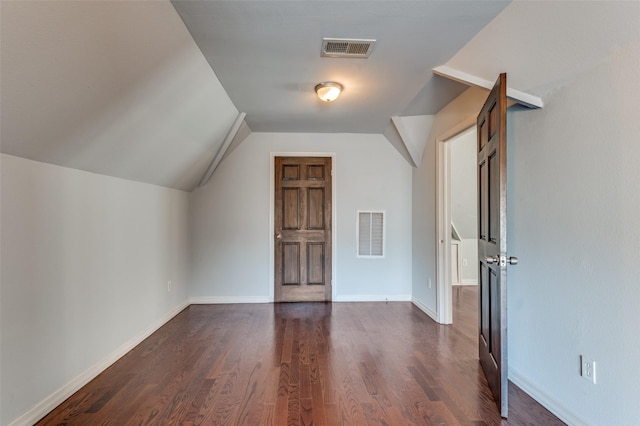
(409, 136)
(541, 45)
(115, 88)
(234, 134)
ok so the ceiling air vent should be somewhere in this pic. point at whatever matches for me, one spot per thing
(347, 47)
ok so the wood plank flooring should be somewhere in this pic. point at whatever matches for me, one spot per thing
(302, 364)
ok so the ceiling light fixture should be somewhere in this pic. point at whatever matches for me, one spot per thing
(328, 91)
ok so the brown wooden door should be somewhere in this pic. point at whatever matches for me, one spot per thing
(492, 242)
(302, 229)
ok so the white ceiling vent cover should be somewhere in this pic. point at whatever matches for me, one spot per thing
(347, 47)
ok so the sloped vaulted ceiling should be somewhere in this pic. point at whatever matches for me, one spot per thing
(121, 88)
(543, 44)
(125, 88)
(117, 88)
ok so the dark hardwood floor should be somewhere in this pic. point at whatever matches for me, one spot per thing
(302, 364)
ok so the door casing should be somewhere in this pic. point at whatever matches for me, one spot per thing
(334, 209)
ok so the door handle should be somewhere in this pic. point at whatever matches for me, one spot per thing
(492, 259)
(278, 236)
(503, 260)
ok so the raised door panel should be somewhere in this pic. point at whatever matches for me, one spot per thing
(290, 208)
(315, 209)
(291, 263)
(315, 263)
(493, 214)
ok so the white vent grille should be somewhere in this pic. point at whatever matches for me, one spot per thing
(370, 234)
(347, 48)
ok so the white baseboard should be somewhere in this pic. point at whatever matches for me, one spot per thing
(545, 400)
(43, 408)
(219, 300)
(222, 300)
(373, 298)
(424, 308)
(469, 282)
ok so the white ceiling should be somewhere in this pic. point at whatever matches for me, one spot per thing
(267, 57)
(124, 88)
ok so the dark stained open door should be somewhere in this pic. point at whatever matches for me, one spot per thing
(302, 229)
(492, 241)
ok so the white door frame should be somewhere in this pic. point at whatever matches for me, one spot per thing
(334, 220)
(444, 303)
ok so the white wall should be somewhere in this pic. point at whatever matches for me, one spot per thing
(231, 223)
(469, 261)
(464, 187)
(573, 221)
(464, 202)
(458, 115)
(85, 263)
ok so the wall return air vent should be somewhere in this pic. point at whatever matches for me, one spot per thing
(370, 234)
(347, 47)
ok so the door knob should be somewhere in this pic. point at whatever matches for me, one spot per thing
(278, 236)
(503, 260)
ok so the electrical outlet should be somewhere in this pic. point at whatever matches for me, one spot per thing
(588, 369)
(169, 286)
(465, 262)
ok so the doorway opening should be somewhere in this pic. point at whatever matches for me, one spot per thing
(457, 216)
